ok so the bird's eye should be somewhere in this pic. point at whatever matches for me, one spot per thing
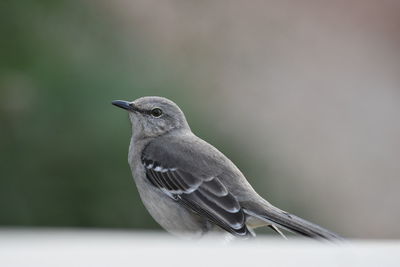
(156, 112)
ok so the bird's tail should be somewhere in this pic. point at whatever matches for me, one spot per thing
(290, 222)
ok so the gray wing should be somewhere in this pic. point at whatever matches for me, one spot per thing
(175, 172)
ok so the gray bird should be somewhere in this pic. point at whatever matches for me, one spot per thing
(190, 187)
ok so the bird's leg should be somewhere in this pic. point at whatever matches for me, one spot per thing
(276, 229)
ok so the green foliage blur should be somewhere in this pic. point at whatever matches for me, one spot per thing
(63, 157)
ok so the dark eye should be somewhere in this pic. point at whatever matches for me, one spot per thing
(156, 112)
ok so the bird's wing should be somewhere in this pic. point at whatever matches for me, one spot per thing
(183, 174)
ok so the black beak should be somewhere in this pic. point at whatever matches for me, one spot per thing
(122, 104)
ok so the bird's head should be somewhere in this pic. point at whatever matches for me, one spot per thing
(153, 116)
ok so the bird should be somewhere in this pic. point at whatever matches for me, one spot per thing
(192, 189)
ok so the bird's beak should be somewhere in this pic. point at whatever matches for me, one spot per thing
(122, 104)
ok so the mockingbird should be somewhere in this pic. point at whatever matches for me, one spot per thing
(190, 187)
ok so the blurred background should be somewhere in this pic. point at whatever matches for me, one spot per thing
(302, 95)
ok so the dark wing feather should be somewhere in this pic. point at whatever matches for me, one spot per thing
(206, 196)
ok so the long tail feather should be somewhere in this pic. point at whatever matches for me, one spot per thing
(292, 223)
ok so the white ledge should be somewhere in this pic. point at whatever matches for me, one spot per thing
(64, 247)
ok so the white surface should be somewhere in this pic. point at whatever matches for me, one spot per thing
(118, 248)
